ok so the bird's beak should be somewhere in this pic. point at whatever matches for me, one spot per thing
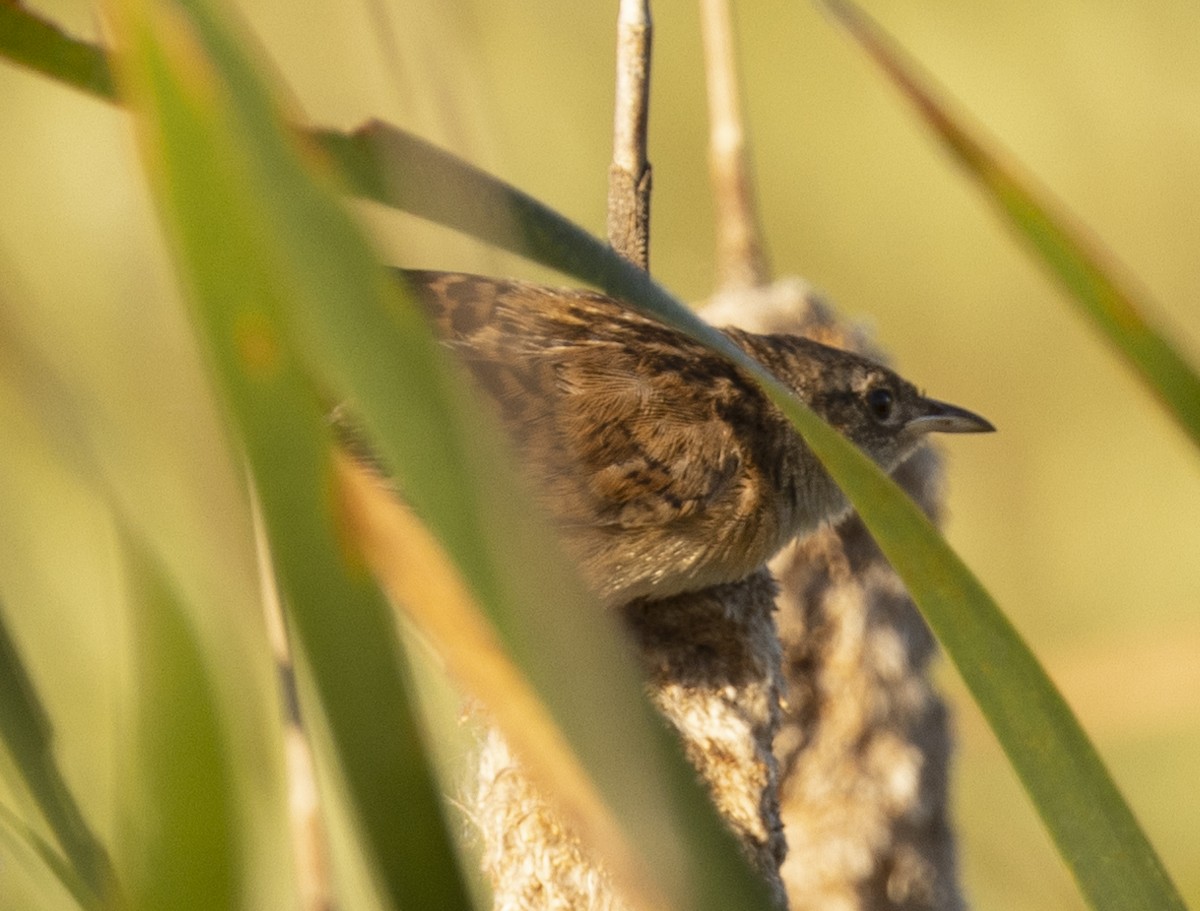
(940, 417)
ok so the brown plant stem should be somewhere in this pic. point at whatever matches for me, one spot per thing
(741, 258)
(629, 175)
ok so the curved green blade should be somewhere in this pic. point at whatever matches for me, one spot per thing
(225, 247)
(1094, 829)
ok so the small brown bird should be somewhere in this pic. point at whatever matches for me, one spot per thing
(665, 466)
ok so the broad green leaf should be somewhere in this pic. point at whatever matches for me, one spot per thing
(181, 828)
(1112, 301)
(225, 247)
(28, 737)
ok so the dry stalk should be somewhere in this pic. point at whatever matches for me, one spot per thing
(741, 258)
(629, 174)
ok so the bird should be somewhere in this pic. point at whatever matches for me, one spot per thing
(664, 466)
(672, 478)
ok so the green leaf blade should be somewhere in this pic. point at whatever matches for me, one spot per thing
(224, 243)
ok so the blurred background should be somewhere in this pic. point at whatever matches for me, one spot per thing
(1082, 516)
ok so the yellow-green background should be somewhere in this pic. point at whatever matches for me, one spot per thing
(1082, 515)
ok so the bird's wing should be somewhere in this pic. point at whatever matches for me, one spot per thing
(642, 444)
(624, 422)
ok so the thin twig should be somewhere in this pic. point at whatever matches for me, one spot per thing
(629, 175)
(310, 844)
(741, 258)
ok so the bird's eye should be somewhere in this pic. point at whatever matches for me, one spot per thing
(881, 402)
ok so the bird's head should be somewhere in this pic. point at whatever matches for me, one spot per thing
(883, 414)
(879, 411)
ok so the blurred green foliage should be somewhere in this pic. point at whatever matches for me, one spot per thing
(1080, 517)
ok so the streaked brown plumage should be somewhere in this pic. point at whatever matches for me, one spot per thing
(664, 465)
